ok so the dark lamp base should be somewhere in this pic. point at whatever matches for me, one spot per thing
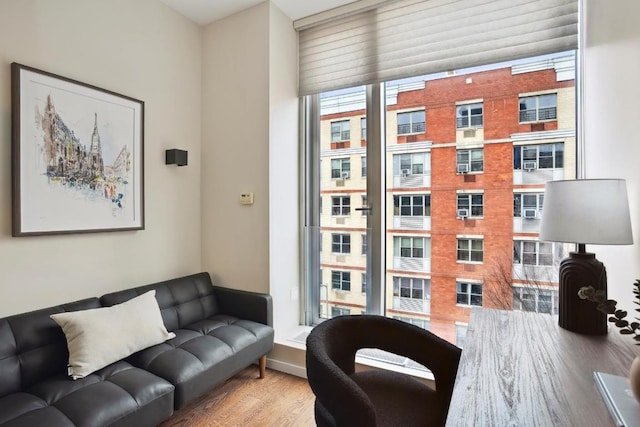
(575, 314)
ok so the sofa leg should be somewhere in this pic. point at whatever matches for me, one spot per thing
(262, 364)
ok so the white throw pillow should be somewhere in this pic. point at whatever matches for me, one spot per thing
(100, 336)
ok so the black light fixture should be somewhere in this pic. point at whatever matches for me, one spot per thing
(176, 157)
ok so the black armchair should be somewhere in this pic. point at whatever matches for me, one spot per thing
(346, 398)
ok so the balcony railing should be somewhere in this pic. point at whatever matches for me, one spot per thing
(405, 128)
(547, 113)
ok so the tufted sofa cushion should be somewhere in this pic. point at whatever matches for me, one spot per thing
(118, 395)
(219, 332)
(35, 389)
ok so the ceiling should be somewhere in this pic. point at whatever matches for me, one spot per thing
(204, 12)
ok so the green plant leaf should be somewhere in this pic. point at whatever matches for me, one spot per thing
(625, 331)
(622, 323)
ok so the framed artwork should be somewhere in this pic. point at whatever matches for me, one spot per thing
(77, 156)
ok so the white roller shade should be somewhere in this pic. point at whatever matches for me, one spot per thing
(407, 38)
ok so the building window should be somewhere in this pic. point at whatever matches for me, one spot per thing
(412, 288)
(364, 283)
(470, 160)
(527, 205)
(340, 280)
(341, 243)
(469, 293)
(363, 128)
(469, 116)
(340, 131)
(364, 166)
(529, 252)
(544, 156)
(364, 244)
(409, 164)
(535, 299)
(341, 205)
(461, 334)
(340, 168)
(538, 108)
(340, 311)
(364, 205)
(409, 247)
(470, 250)
(414, 205)
(471, 205)
(422, 323)
(412, 122)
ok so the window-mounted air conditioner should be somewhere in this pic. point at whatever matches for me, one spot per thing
(462, 168)
(406, 172)
(529, 166)
(463, 213)
(344, 175)
(529, 213)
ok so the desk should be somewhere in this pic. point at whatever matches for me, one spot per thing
(522, 369)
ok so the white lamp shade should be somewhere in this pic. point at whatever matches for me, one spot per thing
(594, 211)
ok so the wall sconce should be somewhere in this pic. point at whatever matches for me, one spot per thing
(176, 157)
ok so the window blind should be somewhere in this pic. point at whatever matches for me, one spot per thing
(406, 38)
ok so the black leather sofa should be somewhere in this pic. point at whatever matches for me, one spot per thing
(219, 331)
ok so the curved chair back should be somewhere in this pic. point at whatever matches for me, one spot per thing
(330, 359)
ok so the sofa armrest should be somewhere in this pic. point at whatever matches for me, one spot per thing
(254, 306)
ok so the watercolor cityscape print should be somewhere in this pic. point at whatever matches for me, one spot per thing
(79, 166)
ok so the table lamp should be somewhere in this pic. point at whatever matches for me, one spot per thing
(593, 211)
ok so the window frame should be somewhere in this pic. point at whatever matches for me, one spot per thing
(337, 172)
(537, 108)
(417, 163)
(469, 117)
(341, 281)
(472, 164)
(557, 156)
(470, 251)
(414, 127)
(341, 205)
(468, 294)
(520, 255)
(342, 133)
(425, 287)
(398, 249)
(519, 207)
(340, 311)
(519, 301)
(474, 210)
(343, 246)
(398, 207)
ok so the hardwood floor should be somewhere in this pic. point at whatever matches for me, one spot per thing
(245, 400)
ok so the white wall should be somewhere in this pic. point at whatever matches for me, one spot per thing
(235, 149)
(284, 249)
(611, 117)
(140, 49)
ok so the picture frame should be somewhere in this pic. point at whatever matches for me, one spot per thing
(77, 156)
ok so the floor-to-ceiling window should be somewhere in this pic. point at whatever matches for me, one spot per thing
(438, 177)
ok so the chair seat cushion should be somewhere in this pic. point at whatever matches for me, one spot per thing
(200, 355)
(398, 399)
(119, 394)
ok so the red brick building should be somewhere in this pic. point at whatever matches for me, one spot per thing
(467, 158)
